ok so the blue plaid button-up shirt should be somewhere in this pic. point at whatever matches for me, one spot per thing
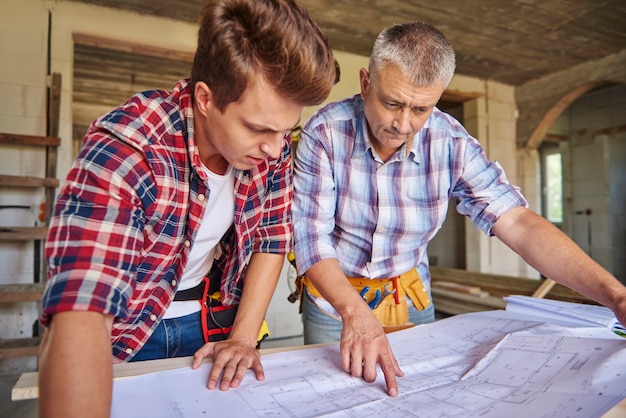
(377, 219)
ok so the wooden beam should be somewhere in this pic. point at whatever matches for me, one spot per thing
(486, 301)
(27, 181)
(552, 137)
(544, 288)
(135, 48)
(20, 347)
(54, 112)
(22, 233)
(457, 96)
(16, 293)
(36, 140)
(610, 131)
(501, 285)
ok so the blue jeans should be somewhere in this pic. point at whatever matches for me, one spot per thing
(174, 337)
(320, 327)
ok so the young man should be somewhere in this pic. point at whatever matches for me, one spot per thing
(374, 174)
(170, 186)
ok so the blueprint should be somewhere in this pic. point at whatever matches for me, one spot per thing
(573, 313)
(480, 365)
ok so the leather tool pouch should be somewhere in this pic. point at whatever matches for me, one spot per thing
(413, 286)
(388, 312)
(392, 312)
(217, 320)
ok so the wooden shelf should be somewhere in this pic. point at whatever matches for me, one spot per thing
(19, 347)
(17, 293)
(49, 143)
(27, 181)
(493, 288)
(34, 140)
(22, 233)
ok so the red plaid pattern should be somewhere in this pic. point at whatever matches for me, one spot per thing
(129, 211)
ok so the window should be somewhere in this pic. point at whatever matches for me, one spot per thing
(553, 187)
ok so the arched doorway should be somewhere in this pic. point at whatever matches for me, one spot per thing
(589, 137)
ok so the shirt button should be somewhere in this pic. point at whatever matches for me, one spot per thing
(153, 317)
(201, 197)
(174, 282)
(129, 351)
(187, 244)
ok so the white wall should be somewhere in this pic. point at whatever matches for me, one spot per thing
(348, 84)
(23, 46)
(492, 120)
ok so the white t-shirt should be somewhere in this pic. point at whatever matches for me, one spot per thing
(218, 217)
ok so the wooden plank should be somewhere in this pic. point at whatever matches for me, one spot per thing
(457, 96)
(27, 181)
(132, 47)
(54, 111)
(492, 302)
(500, 285)
(456, 287)
(15, 293)
(34, 140)
(544, 288)
(18, 233)
(455, 307)
(54, 104)
(20, 347)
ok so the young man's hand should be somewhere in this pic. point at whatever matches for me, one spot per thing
(231, 358)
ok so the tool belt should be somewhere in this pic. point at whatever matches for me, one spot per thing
(390, 309)
(217, 319)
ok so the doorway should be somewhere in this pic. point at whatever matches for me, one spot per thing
(447, 248)
(590, 139)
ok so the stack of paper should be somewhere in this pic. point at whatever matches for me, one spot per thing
(570, 313)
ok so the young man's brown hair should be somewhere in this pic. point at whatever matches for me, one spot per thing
(240, 39)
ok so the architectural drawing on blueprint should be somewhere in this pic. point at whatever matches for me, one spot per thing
(488, 365)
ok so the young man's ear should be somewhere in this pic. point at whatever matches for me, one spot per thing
(203, 97)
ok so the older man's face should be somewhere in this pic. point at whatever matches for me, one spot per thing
(395, 108)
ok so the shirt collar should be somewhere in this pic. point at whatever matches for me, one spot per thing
(361, 140)
(186, 110)
(362, 143)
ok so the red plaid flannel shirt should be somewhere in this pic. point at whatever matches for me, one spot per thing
(129, 211)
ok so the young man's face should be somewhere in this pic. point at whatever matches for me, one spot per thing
(249, 131)
(395, 108)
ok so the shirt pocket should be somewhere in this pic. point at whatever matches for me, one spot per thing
(423, 215)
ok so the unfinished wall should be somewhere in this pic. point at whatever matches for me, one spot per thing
(541, 101)
(492, 120)
(23, 47)
(594, 166)
(616, 215)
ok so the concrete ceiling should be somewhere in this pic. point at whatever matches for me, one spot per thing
(512, 42)
(518, 42)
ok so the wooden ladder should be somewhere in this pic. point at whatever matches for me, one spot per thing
(31, 292)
